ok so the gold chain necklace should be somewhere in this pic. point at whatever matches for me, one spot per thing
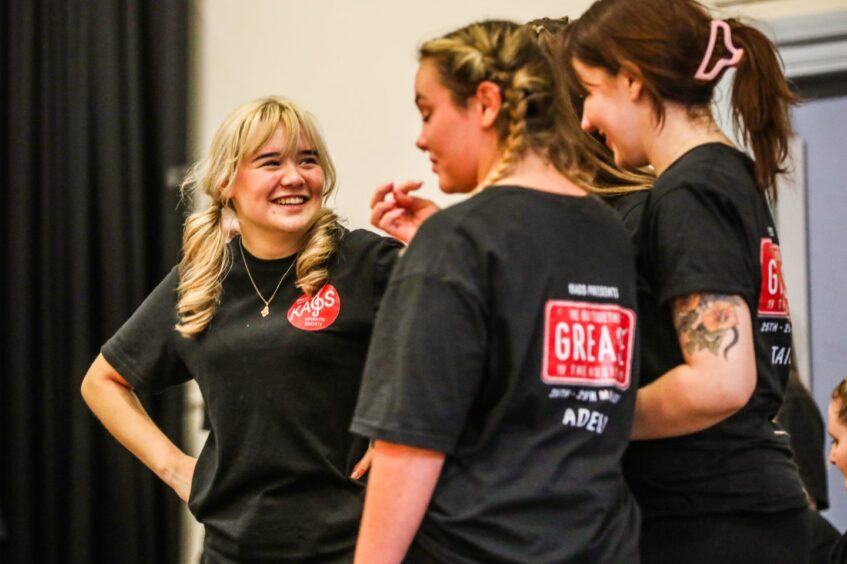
(267, 309)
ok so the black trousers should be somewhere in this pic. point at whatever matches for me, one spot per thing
(782, 537)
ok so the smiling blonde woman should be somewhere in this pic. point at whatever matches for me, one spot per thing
(274, 326)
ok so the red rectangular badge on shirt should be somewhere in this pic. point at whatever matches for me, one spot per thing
(773, 299)
(587, 344)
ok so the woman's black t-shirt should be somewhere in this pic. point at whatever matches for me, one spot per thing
(272, 481)
(706, 229)
(506, 339)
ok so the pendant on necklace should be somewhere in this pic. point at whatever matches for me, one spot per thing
(265, 311)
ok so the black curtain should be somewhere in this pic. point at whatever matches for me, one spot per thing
(93, 102)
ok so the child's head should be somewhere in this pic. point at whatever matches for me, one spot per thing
(837, 427)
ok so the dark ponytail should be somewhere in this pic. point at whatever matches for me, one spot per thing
(760, 102)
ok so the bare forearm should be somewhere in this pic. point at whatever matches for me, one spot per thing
(718, 375)
(120, 411)
(400, 486)
(673, 405)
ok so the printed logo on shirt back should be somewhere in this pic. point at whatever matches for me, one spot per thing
(317, 312)
(774, 321)
(587, 344)
(773, 299)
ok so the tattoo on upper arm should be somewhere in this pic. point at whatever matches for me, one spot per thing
(704, 321)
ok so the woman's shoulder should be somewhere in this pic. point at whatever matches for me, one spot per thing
(170, 282)
(713, 167)
(363, 240)
(367, 249)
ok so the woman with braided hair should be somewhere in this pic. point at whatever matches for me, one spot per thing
(274, 327)
(499, 387)
(398, 212)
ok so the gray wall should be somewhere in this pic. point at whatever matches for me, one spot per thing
(823, 125)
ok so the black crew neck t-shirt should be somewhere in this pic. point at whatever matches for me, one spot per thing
(706, 229)
(630, 208)
(272, 481)
(506, 339)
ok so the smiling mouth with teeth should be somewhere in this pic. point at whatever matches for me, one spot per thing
(290, 200)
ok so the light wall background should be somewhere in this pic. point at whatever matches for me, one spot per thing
(352, 64)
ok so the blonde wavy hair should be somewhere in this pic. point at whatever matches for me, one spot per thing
(206, 257)
(536, 114)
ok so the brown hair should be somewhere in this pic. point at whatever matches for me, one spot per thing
(594, 156)
(839, 394)
(666, 40)
(531, 116)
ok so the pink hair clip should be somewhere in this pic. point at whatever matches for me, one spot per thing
(736, 52)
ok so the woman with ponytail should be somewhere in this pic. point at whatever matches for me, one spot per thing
(274, 326)
(713, 474)
(500, 385)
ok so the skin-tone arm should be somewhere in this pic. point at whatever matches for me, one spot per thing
(113, 401)
(399, 489)
(401, 214)
(717, 378)
(361, 468)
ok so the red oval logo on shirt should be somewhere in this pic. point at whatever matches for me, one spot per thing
(316, 312)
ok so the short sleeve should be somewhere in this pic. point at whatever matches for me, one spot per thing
(143, 351)
(425, 365)
(426, 359)
(696, 242)
(386, 253)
